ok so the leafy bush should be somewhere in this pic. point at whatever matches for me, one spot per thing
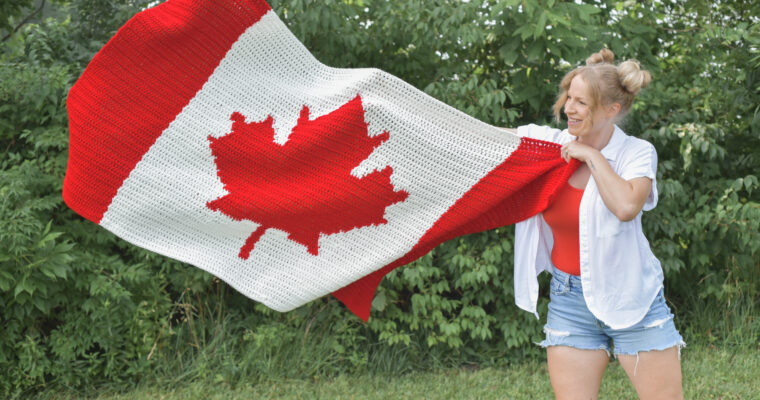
(80, 307)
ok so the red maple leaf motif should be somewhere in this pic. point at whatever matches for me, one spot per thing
(303, 187)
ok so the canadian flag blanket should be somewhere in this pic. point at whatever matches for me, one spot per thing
(206, 132)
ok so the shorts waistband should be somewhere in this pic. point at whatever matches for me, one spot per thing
(565, 278)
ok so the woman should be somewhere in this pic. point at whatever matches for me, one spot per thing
(607, 285)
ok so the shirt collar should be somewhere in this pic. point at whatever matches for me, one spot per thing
(611, 150)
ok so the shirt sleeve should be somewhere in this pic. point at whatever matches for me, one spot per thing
(539, 132)
(643, 163)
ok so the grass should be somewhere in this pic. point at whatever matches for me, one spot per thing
(709, 373)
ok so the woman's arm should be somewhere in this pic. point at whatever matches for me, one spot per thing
(625, 198)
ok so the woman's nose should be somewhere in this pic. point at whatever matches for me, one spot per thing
(569, 107)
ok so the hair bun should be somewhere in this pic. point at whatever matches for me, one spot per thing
(632, 77)
(602, 56)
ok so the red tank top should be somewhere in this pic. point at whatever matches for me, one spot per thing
(562, 218)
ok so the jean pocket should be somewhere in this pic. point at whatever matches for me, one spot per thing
(558, 287)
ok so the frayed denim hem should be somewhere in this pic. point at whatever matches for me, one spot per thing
(556, 338)
(680, 343)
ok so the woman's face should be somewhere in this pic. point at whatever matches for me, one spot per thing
(578, 110)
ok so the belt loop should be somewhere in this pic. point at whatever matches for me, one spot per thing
(567, 279)
(564, 275)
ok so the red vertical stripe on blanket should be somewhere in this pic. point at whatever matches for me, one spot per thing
(136, 85)
(522, 186)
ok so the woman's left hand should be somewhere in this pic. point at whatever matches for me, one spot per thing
(578, 151)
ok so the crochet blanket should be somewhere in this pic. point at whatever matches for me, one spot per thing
(206, 132)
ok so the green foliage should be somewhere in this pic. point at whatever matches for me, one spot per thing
(703, 117)
(459, 296)
(10, 14)
(79, 306)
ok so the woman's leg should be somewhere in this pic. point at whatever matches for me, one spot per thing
(655, 374)
(576, 373)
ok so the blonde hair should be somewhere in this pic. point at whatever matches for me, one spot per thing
(607, 82)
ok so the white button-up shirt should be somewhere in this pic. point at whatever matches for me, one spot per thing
(620, 275)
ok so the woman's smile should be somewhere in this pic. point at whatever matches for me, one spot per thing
(573, 123)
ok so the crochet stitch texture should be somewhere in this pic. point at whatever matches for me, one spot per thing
(206, 132)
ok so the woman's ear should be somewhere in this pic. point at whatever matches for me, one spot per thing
(613, 110)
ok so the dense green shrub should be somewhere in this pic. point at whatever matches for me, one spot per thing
(79, 306)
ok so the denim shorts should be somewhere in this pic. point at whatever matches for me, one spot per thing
(570, 323)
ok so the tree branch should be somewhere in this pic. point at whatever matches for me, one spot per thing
(27, 19)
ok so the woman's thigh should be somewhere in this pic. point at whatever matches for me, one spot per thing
(576, 348)
(649, 352)
(655, 374)
(576, 373)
